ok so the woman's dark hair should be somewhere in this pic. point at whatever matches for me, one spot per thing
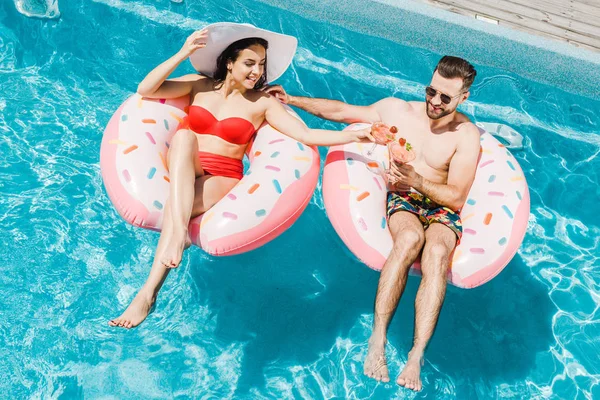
(232, 52)
(454, 67)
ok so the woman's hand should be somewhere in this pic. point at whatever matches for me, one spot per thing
(277, 91)
(363, 135)
(195, 41)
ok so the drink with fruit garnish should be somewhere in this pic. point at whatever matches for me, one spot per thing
(401, 151)
(383, 134)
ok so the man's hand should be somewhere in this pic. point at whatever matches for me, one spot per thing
(403, 176)
(277, 91)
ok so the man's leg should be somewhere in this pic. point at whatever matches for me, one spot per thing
(439, 244)
(408, 235)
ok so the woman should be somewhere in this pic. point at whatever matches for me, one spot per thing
(205, 154)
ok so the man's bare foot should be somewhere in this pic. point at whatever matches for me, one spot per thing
(137, 311)
(176, 243)
(410, 377)
(375, 362)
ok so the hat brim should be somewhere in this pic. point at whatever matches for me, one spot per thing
(221, 34)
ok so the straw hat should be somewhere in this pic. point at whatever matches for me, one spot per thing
(221, 34)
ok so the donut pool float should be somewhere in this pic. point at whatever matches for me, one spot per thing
(276, 189)
(494, 216)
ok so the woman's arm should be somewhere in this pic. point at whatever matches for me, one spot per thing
(289, 125)
(155, 85)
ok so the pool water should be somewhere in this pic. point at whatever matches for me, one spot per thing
(292, 318)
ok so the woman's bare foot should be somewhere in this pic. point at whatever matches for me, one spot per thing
(137, 311)
(375, 362)
(410, 377)
(176, 243)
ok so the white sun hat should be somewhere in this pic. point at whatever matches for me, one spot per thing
(221, 34)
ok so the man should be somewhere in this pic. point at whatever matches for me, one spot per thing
(423, 219)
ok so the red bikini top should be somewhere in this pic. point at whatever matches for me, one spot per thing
(235, 130)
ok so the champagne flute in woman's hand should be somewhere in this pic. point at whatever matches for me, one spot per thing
(382, 134)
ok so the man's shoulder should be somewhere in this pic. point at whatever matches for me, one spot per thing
(468, 129)
(394, 104)
(468, 135)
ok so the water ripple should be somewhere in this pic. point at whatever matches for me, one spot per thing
(276, 322)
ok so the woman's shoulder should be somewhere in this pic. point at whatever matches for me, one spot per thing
(258, 102)
(261, 97)
(202, 83)
(191, 78)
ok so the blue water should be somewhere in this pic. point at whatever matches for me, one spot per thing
(292, 318)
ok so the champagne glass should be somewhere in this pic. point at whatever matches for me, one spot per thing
(383, 134)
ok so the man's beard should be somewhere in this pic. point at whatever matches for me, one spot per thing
(439, 115)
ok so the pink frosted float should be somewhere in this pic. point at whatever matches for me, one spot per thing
(494, 217)
(274, 192)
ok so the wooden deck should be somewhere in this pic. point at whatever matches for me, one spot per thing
(574, 21)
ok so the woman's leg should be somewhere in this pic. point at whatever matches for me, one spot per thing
(208, 190)
(182, 160)
(140, 307)
(184, 167)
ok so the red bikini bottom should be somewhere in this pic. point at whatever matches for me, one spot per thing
(214, 164)
(217, 165)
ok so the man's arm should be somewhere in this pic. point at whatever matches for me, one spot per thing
(334, 110)
(461, 173)
(291, 126)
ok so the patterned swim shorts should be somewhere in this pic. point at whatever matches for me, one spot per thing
(424, 208)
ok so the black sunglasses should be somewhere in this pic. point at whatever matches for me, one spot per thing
(431, 92)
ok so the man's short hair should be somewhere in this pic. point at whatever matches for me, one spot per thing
(451, 67)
